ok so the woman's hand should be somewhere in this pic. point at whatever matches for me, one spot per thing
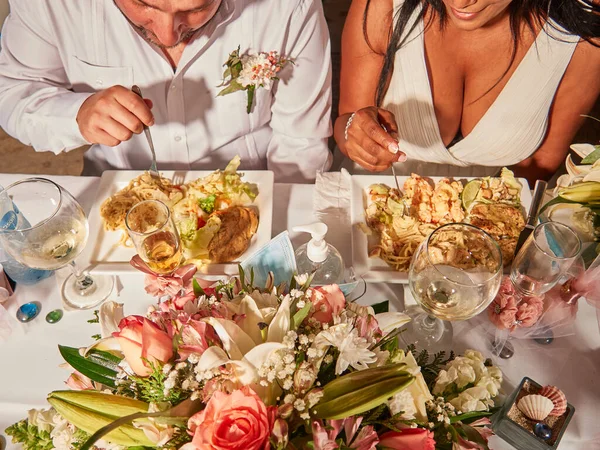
(372, 139)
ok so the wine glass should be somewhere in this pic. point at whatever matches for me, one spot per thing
(545, 257)
(454, 275)
(52, 232)
(153, 232)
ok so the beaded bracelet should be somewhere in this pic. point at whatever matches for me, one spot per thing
(350, 119)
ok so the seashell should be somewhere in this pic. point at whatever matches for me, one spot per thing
(558, 398)
(536, 407)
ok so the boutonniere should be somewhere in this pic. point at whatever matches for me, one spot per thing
(248, 72)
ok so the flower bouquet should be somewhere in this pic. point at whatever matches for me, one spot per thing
(232, 366)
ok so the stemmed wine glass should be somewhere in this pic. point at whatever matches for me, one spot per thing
(546, 256)
(52, 232)
(154, 234)
(454, 275)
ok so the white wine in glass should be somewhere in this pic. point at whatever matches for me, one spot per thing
(153, 232)
(454, 275)
(54, 234)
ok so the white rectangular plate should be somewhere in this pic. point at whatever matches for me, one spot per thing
(374, 269)
(105, 255)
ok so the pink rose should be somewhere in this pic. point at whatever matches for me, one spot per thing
(143, 341)
(239, 420)
(529, 311)
(408, 439)
(327, 301)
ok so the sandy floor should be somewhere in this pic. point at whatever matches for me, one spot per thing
(18, 158)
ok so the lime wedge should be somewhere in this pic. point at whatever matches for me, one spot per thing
(469, 193)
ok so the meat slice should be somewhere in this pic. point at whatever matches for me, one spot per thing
(238, 225)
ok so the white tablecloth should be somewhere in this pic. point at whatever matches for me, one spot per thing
(29, 358)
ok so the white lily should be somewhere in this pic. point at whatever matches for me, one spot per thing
(389, 321)
(242, 352)
(109, 316)
(419, 392)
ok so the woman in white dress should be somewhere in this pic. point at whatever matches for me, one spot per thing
(463, 87)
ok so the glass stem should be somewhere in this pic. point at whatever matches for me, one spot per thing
(83, 282)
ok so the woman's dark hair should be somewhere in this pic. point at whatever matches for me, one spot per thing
(578, 17)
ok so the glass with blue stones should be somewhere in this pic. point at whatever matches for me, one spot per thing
(545, 257)
(54, 233)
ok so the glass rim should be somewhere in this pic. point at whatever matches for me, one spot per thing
(473, 228)
(47, 219)
(538, 229)
(149, 233)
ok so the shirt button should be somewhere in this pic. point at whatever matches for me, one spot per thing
(173, 86)
(177, 138)
(99, 82)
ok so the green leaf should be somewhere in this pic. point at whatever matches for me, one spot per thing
(470, 416)
(592, 157)
(101, 367)
(555, 201)
(185, 409)
(242, 275)
(381, 307)
(198, 291)
(234, 86)
(250, 92)
(301, 315)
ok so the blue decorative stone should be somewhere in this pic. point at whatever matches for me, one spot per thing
(542, 431)
(28, 311)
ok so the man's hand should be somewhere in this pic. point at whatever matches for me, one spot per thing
(112, 116)
(372, 139)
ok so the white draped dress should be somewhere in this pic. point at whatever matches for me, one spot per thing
(510, 131)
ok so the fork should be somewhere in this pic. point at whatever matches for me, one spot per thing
(178, 178)
(392, 166)
(153, 170)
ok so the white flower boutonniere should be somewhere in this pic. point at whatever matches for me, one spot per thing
(248, 72)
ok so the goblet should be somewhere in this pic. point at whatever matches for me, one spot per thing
(454, 275)
(51, 231)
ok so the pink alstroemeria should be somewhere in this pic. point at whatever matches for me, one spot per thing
(483, 426)
(79, 382)
(161, 285)
(324, 437)
(196, 337)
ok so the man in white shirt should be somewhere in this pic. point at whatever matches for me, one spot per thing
(67, 67)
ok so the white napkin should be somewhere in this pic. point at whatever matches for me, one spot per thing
(331, 203)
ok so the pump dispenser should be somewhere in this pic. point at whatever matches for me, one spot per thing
(319, 257)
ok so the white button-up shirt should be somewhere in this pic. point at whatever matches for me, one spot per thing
(56, 53)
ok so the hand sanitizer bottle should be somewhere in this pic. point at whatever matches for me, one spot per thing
(319, 257)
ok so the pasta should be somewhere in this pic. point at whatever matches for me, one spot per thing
(401, 222)
(114, 209)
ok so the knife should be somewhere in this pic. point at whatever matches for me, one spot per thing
(534, 212)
